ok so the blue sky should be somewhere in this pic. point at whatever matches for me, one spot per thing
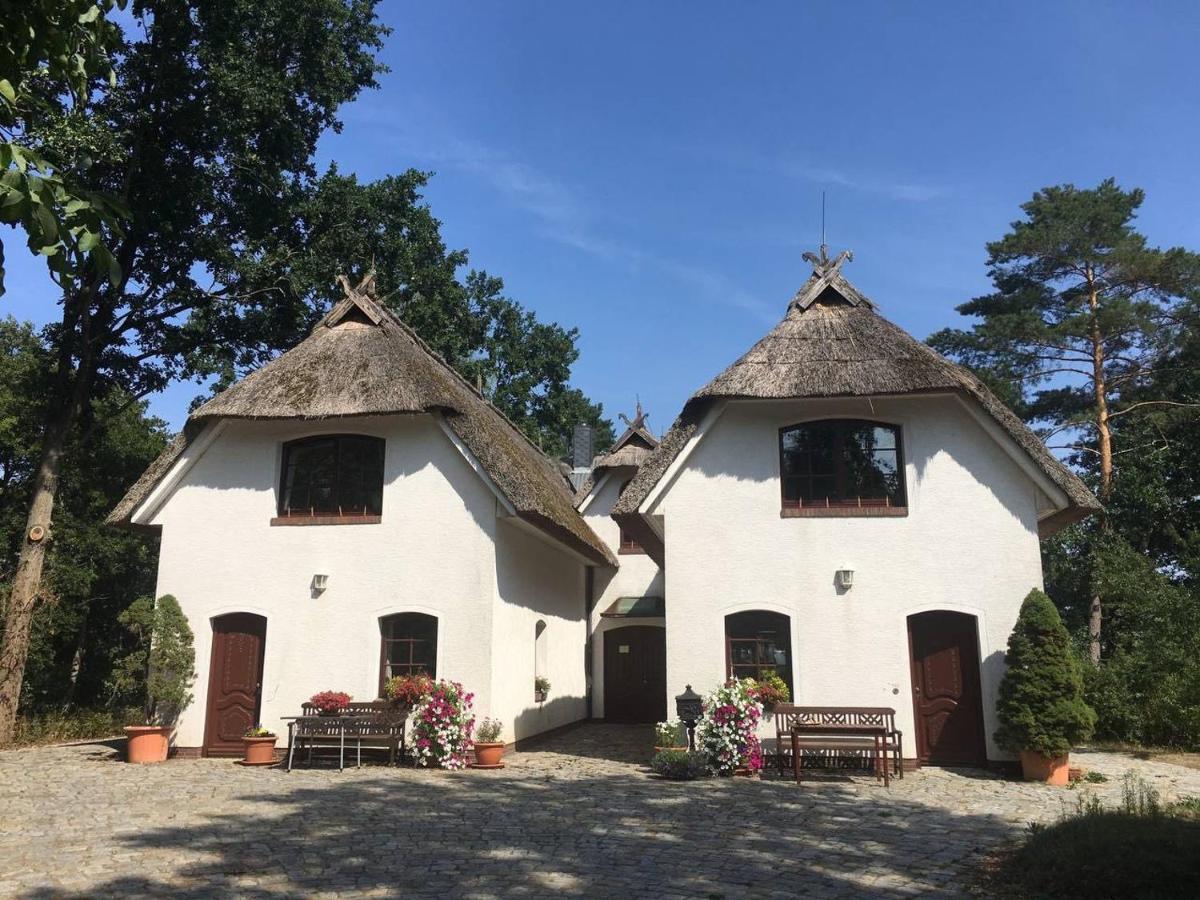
(651, 172)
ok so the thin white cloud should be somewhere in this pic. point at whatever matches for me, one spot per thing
(802, 170)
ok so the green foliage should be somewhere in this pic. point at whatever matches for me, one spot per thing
(1041, 706)
(59, 726)
(53, 54)
(258, 732)
(162, 664)
(1036, 329)
(679, 765)
(541, 683)
(92, 571)
(1141, 849)
(488, 731)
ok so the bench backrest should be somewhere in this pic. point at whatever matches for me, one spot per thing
(788, 716)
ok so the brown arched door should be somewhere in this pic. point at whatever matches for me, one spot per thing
(947, 700)
(635, 674)
(234, 681)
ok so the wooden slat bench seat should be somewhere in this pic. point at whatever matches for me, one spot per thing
(837, 734)
(372, 726)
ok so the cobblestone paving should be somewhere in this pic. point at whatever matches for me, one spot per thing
(578, 816)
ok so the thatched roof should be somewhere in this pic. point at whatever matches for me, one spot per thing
(629, 451)
(361, 360)
(832, 343)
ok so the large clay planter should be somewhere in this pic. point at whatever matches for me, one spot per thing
(1047, 769)
(488, 754)
(259, 751)
(147, 743)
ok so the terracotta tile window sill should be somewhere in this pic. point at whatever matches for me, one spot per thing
(326, 520)
(843, 512)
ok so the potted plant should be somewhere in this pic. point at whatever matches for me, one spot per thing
(442, 727)
(259, 747)
(159, 671)
(488, 746)
(670, 735)
(727, 733)
(541, 688)
(771, 690)
(407, 690)
(330, 703)
(1040, 708)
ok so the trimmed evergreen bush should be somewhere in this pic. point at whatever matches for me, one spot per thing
(162, 665)
(1041, 704)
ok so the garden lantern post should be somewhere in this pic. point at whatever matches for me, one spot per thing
(689, 706)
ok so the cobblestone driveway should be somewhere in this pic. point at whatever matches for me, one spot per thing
(577, 816)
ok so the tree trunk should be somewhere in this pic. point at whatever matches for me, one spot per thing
(1104, 441)
(27, 581)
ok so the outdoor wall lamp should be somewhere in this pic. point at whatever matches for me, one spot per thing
(319, 583)
(689, 706)
(845, 578)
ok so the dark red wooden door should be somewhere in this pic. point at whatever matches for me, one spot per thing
(635, 674)
(234, 681)
(946, 693)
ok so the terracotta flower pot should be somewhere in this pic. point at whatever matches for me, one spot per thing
(488, 754)
(1048, 769)
(147, 743)
(658, 750)
(259, 751)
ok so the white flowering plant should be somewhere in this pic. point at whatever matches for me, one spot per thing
(727, 734)
(442, 728)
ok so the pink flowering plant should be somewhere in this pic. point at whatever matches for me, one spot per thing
(727, 734)
(442, 726)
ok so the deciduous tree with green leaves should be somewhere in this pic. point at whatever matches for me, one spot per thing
(1084, 314)
(205, 139)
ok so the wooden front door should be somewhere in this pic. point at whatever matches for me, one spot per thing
(635, 674)
(947, 702)
(234, 681)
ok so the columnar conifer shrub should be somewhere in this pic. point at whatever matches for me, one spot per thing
(442, 727)
(1041, 704)
(161, 667)
(726, 733)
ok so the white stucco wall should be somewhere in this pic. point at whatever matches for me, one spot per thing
(969, 544)
(433, 553)
(638, 576)
(537, 583)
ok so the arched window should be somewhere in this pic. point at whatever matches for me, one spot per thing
(332, 475)
(408, 645)
(841, 464)
(757, 642)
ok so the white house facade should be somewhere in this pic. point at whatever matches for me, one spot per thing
(841, 507)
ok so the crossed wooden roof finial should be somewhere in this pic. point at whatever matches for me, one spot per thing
(822, 265)
(638, 421)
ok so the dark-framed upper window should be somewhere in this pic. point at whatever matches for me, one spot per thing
(758, 642)
(332, 475)
(408, 646)
(629, 543)
(841, 464)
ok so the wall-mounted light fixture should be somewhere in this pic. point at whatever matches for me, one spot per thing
(845, 578)
(319, 583)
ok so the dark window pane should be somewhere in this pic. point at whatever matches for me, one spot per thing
(841, 462)
(333, 475)
(759, 642)
(409, 646)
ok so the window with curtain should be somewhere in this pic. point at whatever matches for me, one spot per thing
(758, 642)
(841, 464)
(332, 475)
(409, 645)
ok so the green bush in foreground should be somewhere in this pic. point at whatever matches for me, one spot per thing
(679, 765)
(71, 725)
(1041, 704)
(1142, 849)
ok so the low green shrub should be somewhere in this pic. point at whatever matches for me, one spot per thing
(670, 734)
(1142, 849)
(63, 726)
(679, 765)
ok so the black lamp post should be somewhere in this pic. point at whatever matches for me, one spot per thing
(689, 706)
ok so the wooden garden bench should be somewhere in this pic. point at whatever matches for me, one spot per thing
(375, 725)
(838, 733)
